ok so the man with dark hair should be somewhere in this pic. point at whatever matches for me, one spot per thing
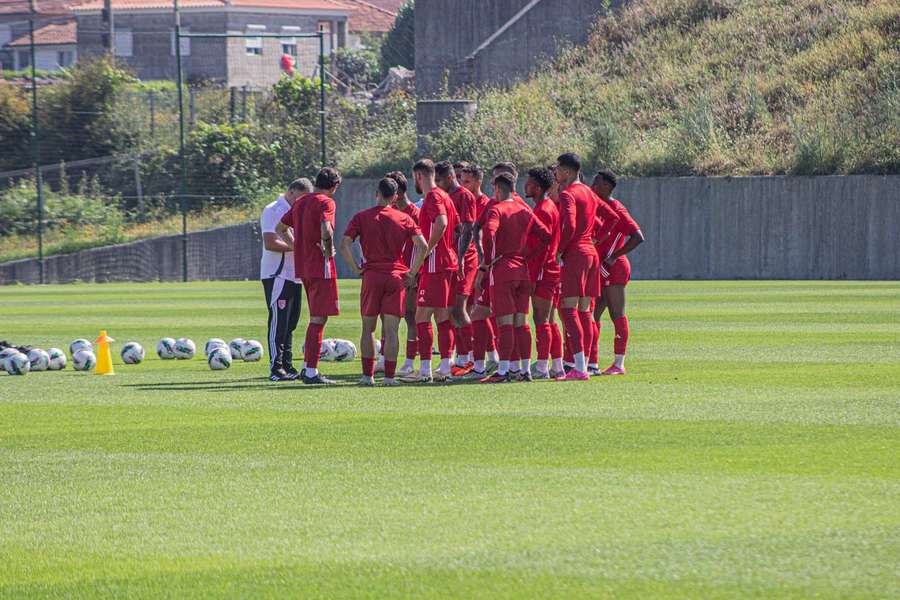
(615, 269)
(382, 232)
(312, 218)
(544, 271)
(466, 206)
(280, 284)
(510, 229)
(437, 220)
(405, 205)
(579, 211)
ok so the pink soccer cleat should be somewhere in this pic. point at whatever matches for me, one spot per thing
(574, 375)
(614, 370)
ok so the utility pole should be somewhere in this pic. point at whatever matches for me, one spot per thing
(182, 179)
(36, 143)
(108, 35)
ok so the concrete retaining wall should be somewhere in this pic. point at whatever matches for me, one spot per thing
(696, 228)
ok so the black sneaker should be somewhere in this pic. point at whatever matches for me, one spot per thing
(319, 379)
(525, 376)
(292, 373)
(279, 374)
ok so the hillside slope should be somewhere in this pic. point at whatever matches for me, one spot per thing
(711, 87)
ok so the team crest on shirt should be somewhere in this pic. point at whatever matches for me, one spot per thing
(282, 303)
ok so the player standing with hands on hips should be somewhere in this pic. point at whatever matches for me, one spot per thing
(281, 284)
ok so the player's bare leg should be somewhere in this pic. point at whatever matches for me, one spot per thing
(614, 296)
(367, 350)
(391, 347)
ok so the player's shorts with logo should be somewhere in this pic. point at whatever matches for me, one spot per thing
(618, 274)
(510, 297)
(466, 285)
(436, 290)
(321, 296)
(382, 294)
(580, 275)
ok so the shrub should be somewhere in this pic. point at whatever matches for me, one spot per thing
(399, 45)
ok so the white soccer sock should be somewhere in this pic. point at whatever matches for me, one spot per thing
(479, 366)
(541, 365)
(525, 364)
(446, 365)
(470, 357)
(620, 361)
(503, 369)
(558, 364)
(580, 363)
(492, 355)
(425, 367)
(408, 364)
(461, 360)
(311, 372)
(593, 366)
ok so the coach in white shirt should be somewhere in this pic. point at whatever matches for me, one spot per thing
(281, 286)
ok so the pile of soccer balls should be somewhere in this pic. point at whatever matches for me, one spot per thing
(218, 354)
(340, 350)
(16, 362)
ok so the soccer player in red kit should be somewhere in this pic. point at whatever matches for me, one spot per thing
(382, 231)
(312, 218)
(437, 220)
(544, 272)
(615, 269)
(405, 205)
(509, 230)
(579, 211)
(465, 203)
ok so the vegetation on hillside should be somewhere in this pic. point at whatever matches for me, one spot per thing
(706, 87)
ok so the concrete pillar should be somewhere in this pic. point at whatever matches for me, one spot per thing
(432, 114)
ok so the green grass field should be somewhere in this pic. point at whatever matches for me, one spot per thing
(752, 451)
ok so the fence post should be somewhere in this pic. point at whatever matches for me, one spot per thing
(232, 104)
(193, 120)
(322, 94)
(182, 180)
(244, 104)
(36, 145)
(138, 187)
(152, 98)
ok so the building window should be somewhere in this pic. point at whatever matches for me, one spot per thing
(289, 44)
(254, 45)
(65, 58)
(124, 46)
(185, 43)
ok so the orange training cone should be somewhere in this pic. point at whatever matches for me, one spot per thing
(104, 355)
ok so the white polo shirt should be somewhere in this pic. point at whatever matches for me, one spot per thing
(275, 264)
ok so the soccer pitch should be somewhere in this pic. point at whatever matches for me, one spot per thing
(752, 451)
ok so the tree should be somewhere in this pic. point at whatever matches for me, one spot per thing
(399, 47)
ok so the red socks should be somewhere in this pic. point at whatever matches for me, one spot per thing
(574, 333)
(543, 334)
(426, 339)
(621, 343)
(412, 348)
(368, 366)
(390, 368)
(523, 342)
(465, 339)
(556, 343)
(445, 338)
(494, 332)
(506, 341)
(595, 343)
(313, 344)
(482, 333)
(587, 327)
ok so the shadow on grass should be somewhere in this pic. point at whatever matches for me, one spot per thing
(258, 383)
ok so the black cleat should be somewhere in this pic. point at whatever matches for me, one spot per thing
(279, 374)
(292, 373)
(319, 379)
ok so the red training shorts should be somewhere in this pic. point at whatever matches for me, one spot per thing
(619, 272)
(466, 285)
(436, 289)
(510, 297)
(547, 288)
(580, 275)
(321, 297)
(382, 294)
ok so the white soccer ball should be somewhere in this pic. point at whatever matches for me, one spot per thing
(213, 343)
(80, 344)
(377, 347)
(328, 351)
(165, 348)
(17, 364)
(219, 359)
(4, 356)
(344, 350)
(235, 346)
(132, 353)
(84, 360)
(57, 359)
(38, 359)
(251, 351)
(185, 349)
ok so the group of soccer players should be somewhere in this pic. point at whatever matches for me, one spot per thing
(471, 264)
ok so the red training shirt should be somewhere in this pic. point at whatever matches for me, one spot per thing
(509, 229)
(383, 231)
(413, 211)
(467, 209)
(543, 264)
(443, 257)
(625, 227)
(578, 211)
(306, 217)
